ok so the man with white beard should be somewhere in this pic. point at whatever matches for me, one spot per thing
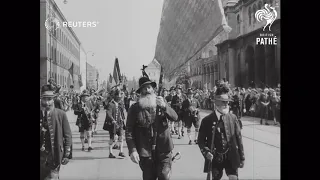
(140, 118)
(223, 148)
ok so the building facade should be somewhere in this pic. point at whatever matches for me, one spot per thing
(92, 77)
(241, 60)
(203, 67)
(153, 70)
(59, 49)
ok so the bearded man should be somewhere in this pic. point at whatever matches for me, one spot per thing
(141, 117)
(226, 148)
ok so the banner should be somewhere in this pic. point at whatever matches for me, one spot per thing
(178, 44)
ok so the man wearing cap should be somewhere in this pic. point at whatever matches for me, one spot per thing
(236, 105)
(227, 151)
(114, 122)
(55, 136)
(85, 119)
(191, 115)
(140, 130)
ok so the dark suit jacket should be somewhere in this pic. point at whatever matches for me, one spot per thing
(138, 128)
(61, 133)
(234, 138)
(186, 109)
(111, 114)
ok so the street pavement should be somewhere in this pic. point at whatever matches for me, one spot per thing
(261, 145)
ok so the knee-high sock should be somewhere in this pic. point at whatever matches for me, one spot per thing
(82, 138)
(189, 134)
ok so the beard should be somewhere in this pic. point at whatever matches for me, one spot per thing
(148, 101)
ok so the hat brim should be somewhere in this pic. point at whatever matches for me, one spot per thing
(223, 99)
(45, 96)
(153, 84)
(84, 95)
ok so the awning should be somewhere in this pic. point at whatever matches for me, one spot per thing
(186, 27)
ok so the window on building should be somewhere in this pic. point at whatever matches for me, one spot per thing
(238, 23)
(260, 5)
(249, 15)
(254, 11)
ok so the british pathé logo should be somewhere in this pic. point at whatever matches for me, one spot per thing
(268, 14)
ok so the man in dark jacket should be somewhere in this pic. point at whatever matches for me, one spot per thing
(139, 128)
(223, 148)
(85, 119)
(191, 115)
(55, 137)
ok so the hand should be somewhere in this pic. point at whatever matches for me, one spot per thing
(241, 164)
(113, 122)
(209, 156)
(160, 101)
(135, 157)
(64, 161)
(244, 110)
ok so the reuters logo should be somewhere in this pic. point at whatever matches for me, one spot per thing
(52, 23)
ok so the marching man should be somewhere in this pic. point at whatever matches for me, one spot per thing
(141, 117)
(220, 139)
(114, 122)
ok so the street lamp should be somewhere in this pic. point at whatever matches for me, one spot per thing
(87, 66)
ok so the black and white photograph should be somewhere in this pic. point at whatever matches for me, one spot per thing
(160, 89)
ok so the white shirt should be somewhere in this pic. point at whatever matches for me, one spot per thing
(218, 114)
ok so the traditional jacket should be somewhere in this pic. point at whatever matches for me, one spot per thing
(114, 113)
(138, 128)
(84, 111)
(60, 134)
(233, 134)
(189, 109)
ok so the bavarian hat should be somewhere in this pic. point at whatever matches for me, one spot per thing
(84, 93)
(47, 91)
(172, 88)
(222, 93)
(190, 91)
(145, 81)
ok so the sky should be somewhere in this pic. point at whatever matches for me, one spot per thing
(127, 29)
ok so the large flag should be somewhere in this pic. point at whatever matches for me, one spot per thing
(197, 22)
(110, 78)
(116, 71)
(71, 71)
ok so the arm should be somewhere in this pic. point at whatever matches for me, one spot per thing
(202, 139)
(109, 113)
(239, 140)
(130, 127)
(170, 113)
(67, 135)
